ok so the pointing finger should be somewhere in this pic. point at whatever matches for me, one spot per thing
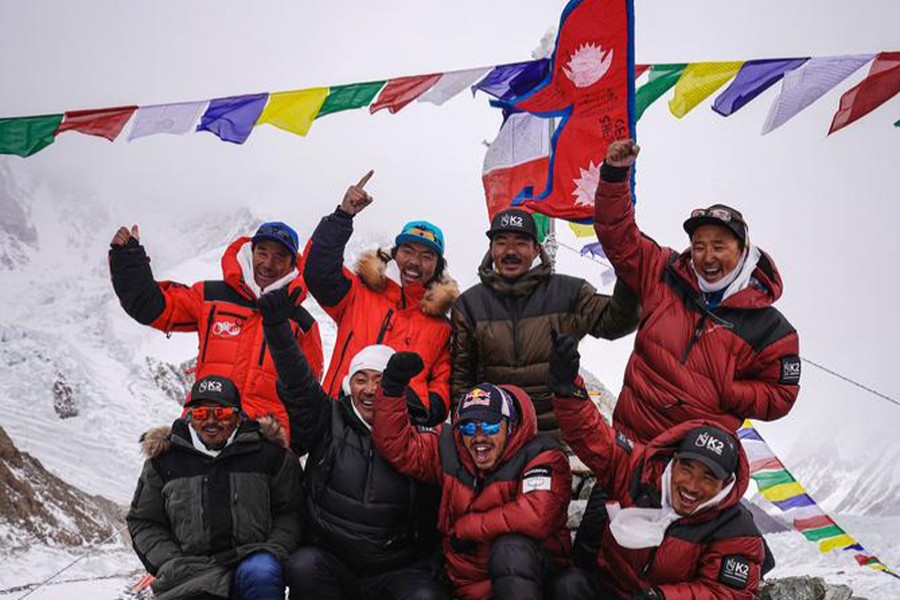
(365, 179)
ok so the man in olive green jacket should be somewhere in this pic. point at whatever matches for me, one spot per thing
(503, 326)
(218, 502)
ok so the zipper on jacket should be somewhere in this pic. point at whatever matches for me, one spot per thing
(515, 332)
(209, 323)
(698, 331)
(340, 360)
(646, 570)
(384, 326)
(262, 353)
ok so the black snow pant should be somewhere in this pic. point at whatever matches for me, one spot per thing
(590, 530)
(316, 574)
(576, 583)
(519, 568)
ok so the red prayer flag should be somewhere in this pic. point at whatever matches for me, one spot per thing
(640, 70)
(591, 86)
(880, 85)
(401, 91)
(103, 122)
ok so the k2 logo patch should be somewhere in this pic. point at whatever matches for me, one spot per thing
(735, 571)
(536, 479)
(790, 370)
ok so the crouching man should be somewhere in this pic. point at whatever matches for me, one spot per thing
(673, 527)
(505, 488)
(216, 509)
(370, 531)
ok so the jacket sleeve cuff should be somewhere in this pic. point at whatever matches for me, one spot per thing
(340, 213)
(613, 174)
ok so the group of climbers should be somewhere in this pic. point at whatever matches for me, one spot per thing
(434, 464)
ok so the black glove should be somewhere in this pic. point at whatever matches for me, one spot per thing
(564, 362)
(401, 367)
(461, 546)
(649, 594)
(277, 306)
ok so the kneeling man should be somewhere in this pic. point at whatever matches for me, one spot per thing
(674, 526)
(505, 488)
(216, 510)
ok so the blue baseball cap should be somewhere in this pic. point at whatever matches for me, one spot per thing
(422, 232)
(277, 231)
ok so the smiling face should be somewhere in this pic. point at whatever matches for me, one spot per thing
(271, 262)
(484, 449)
(692, 485)
(513, 253)
(416, 262)
(213, 432)
(363, 385)
(715, 252)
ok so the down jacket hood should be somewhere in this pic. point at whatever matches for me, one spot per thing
(159, 439)
(234, 275)
(660, 451)
(524, 429)
(766, 285)
(434, 299)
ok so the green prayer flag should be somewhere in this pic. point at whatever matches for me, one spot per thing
(542, 222)
(767, 479)
(345, 97)
(26, 135)
(814, 535)
(662, 78)
(897, 124)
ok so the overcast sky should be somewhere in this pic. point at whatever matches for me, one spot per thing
(825, 209)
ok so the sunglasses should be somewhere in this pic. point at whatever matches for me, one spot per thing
(202, 413)
(716, 213)
(470, 428)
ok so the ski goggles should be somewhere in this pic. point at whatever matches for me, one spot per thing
(470, 428)
(202, 413)
(722, 214)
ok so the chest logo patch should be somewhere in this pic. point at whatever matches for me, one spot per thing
(226, 329)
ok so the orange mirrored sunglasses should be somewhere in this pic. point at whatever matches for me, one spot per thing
(202, 413)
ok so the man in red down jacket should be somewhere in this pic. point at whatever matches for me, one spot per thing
(371, 308)
(673, 528)
(710, 344)
(224, 312)
(505, 488)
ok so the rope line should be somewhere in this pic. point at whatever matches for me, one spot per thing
(861, 386)
(72, 563)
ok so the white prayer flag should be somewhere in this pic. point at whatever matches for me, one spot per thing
(452, 83)
(801, 87)
(176, 118)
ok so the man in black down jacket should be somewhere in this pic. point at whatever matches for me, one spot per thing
(371, 531)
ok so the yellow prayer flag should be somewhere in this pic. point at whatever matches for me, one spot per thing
(581, 230)
(294, 111)
(783, 491)
(841, 541)
(698, 81)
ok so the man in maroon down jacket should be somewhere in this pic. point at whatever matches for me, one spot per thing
(711, 345)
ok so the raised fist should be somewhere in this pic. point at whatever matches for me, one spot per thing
(622, 153)
(277, 306)
(125, 236)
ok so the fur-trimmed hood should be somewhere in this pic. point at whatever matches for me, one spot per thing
(159, 439)
(437, 298)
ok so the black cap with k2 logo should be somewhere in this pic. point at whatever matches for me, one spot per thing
(711, 446)
(513, 220)
(215, 388)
